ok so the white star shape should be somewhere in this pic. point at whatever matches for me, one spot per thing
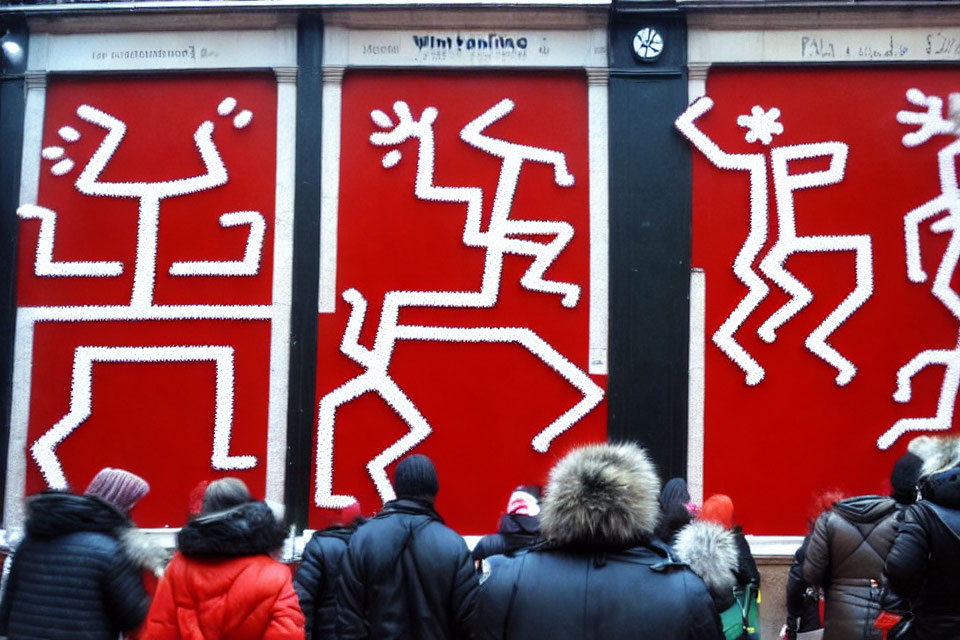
(761, 125)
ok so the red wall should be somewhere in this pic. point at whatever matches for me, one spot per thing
(484, 402)
(155, 419)
(773, 445)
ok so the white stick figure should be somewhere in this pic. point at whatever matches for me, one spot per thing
(149, 195)
(762, 126)
(931, 123)
(756, 165)
(499, 239)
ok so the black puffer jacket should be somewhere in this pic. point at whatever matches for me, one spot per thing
(71, 577)
(406, 575)
(803, 601)
(845, 556)
(600, 575)
(515, 532)
(316, 580)
(924, 564)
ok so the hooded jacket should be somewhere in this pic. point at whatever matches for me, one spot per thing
(71, 576)
(600, 574)
(222, 585)
(845, 556)
(924, 563)
(515, 532)
(316, 580)
(407, 576)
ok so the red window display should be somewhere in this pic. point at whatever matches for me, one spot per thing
(460, 327)
(145, 279)
(823, 211)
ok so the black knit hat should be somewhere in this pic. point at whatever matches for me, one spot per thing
(904, 477)
(416, 477)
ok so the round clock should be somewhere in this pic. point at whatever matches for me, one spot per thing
(647, 44)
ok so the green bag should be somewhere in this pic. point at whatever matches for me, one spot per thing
(742, 619)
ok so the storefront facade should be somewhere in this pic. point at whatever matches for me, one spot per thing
(294, 243)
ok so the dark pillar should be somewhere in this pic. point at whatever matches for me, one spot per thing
(650, 196)
(306, 274)
(12, 106)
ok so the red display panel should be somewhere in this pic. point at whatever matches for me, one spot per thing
(499, 233)
(834, 189)
(145, 279)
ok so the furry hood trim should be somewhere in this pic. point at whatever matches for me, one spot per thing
(144, 551)
(245, 530)
(711, 552)
(937, 453)
(601, 496)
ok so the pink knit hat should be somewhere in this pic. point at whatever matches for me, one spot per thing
(120, 488)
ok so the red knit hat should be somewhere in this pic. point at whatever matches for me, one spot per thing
(348, 514)
(718, 508)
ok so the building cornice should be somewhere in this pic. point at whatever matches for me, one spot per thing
(737, 15)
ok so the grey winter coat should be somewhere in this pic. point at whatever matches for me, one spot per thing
(845, 556)
(71, 577)
(600, 574)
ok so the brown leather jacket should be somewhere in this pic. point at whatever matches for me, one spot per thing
(845, 556)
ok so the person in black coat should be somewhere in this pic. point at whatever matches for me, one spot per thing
(74, 575)
(316, 579)
(676, 509)
(600, 572)
(405, 573)
(519, 527)
(924, 561)
(803, 600)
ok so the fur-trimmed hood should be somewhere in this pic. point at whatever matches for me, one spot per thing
(710, 550)
(144, 551)
(55, 513)
(245, 530)
(937, 452)
(601, 496)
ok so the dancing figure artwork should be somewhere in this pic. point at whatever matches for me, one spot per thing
(930, 122)
(762, 126)
(504, 235)
(149, 196)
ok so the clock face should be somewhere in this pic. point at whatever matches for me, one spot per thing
(648, 44)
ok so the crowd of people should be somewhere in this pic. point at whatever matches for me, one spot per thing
(603, 552)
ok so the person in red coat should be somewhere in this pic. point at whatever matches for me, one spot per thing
(222, 583)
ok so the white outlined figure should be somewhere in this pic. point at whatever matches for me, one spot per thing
(142, 306)
(932, 123)
(789, 243)
(498, 240)
(81, 399)
(761, 127)
(756, 165)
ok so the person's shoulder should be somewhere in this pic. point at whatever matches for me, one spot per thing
(264, 571)
(321, 542)
(444, 533)
(95, 540)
